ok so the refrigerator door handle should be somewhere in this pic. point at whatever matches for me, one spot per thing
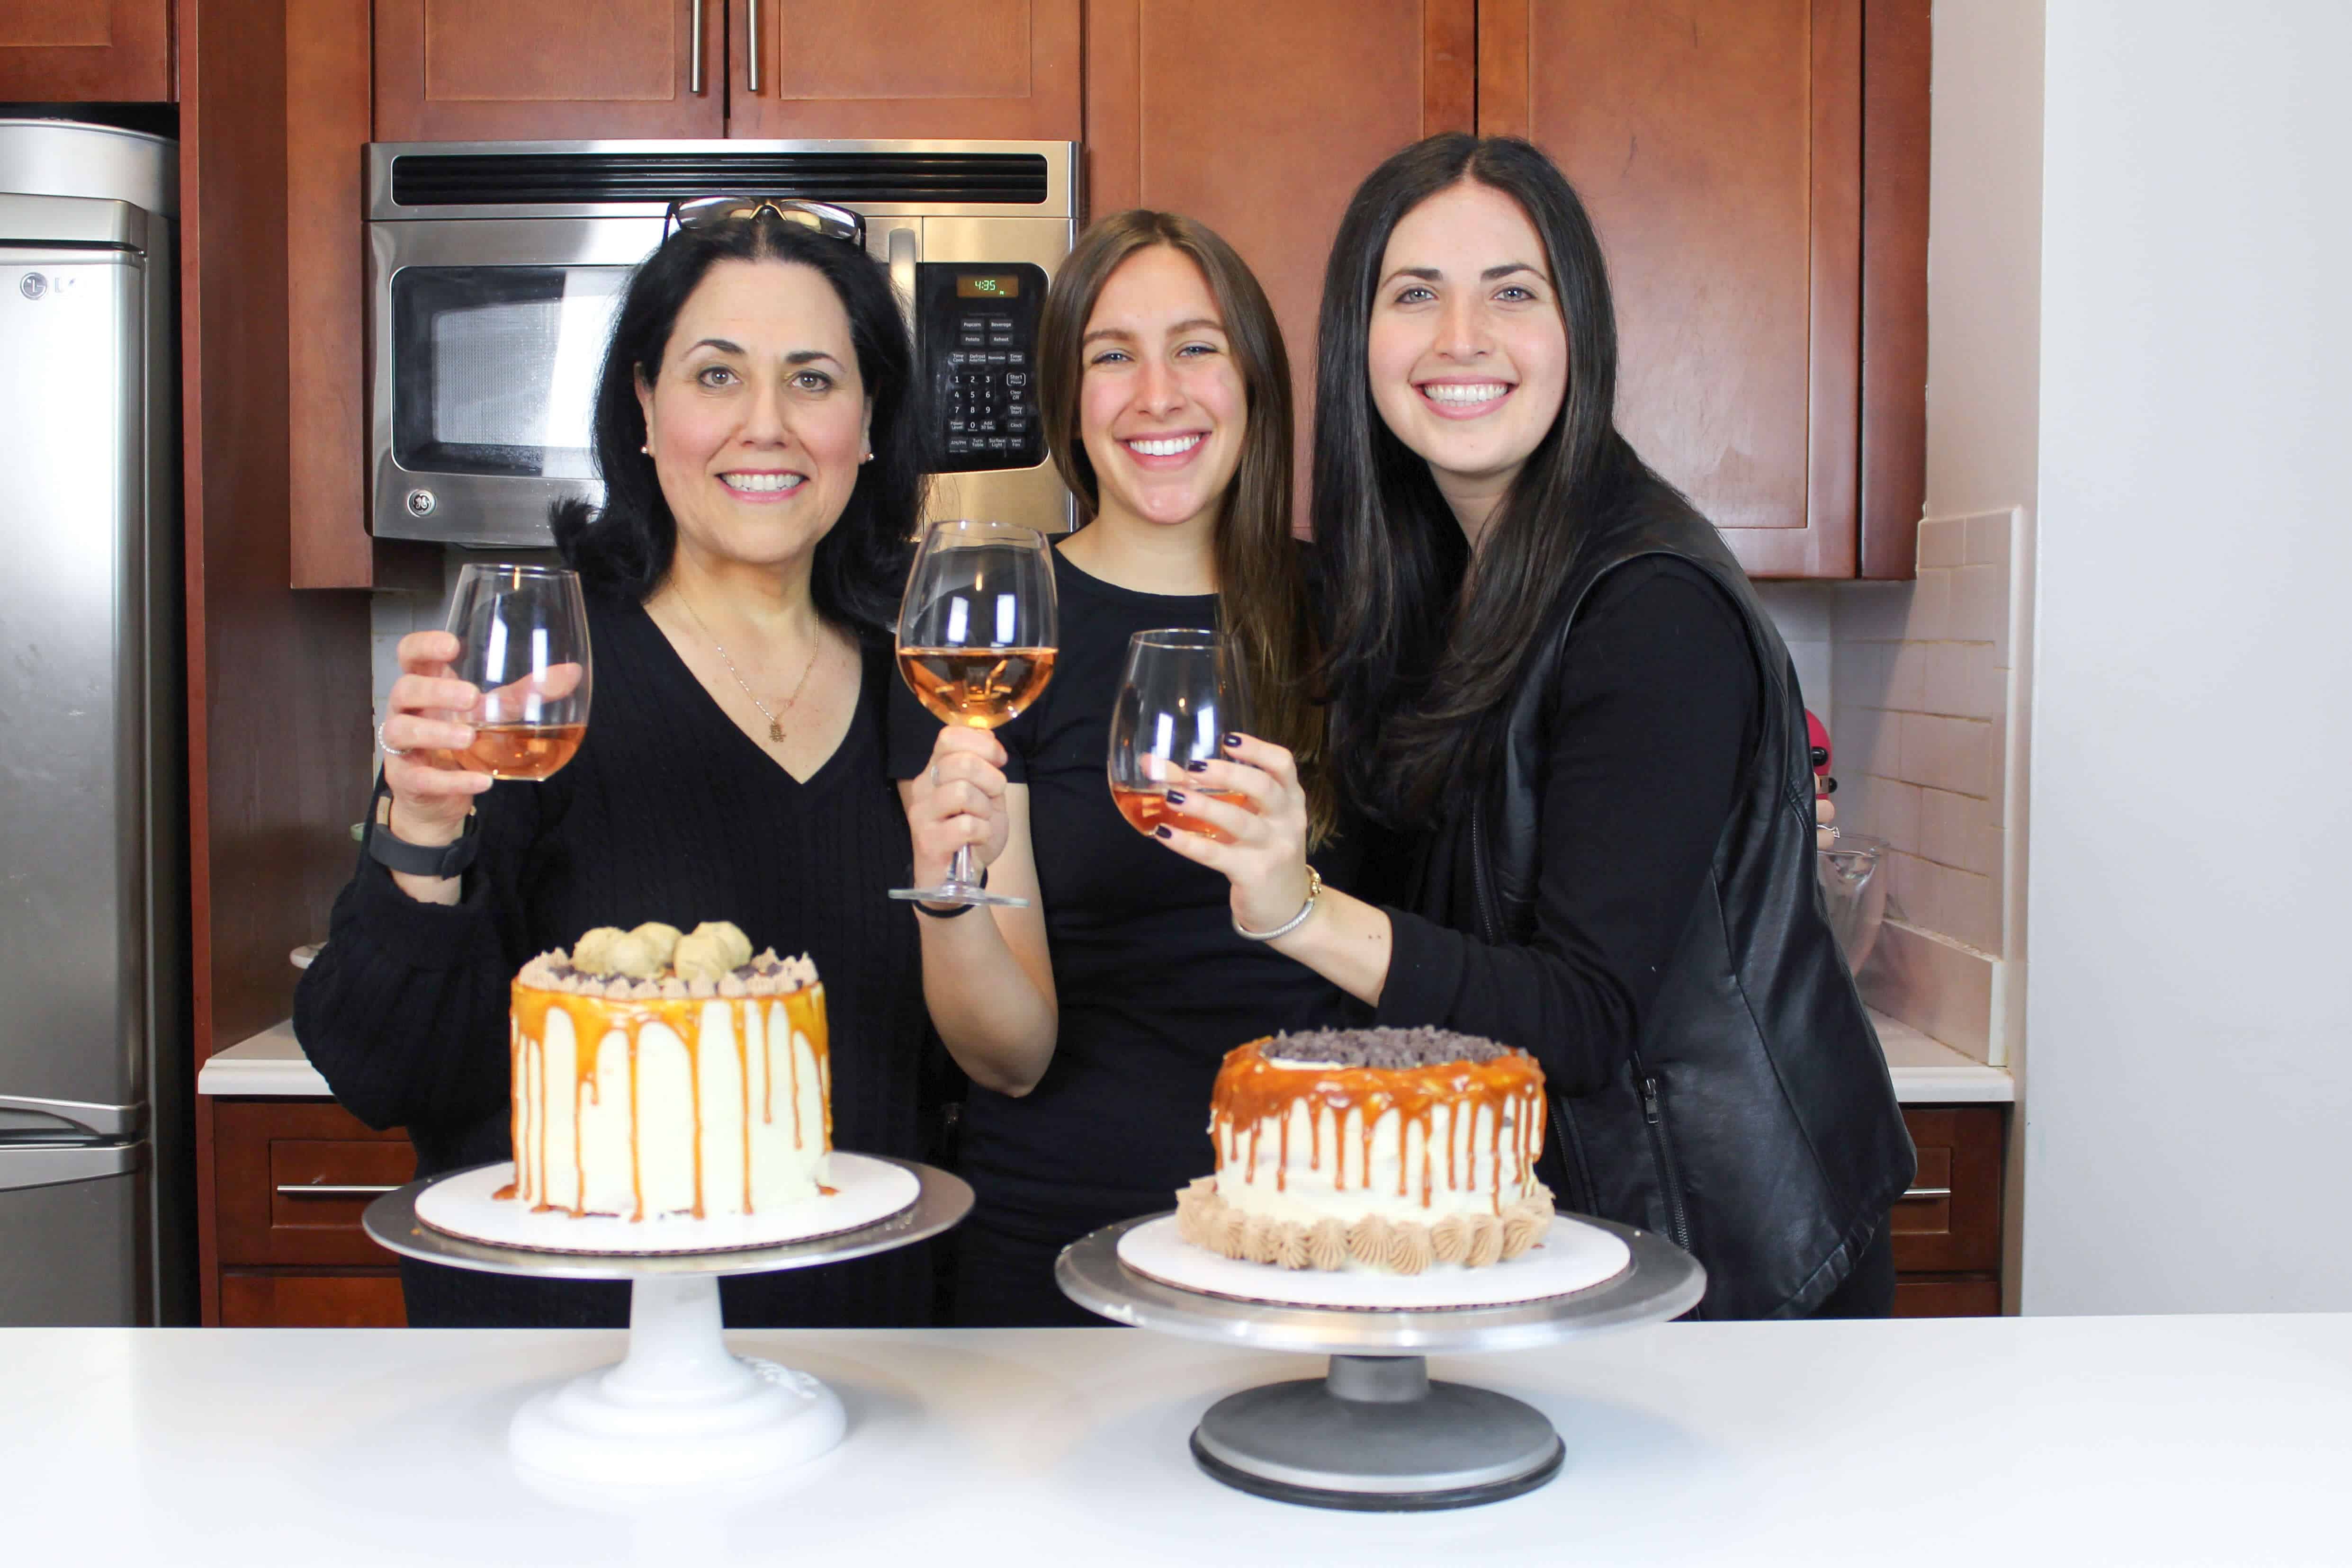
(103, 1121)
(55, 1164)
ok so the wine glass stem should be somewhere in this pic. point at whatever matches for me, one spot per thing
(960, 871)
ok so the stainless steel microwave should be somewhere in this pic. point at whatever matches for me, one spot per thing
(495, 270)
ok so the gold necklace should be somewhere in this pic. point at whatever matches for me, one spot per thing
(775, 720)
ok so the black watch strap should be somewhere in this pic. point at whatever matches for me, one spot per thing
(420, 860)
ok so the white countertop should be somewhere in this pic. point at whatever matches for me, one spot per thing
(2146, 1441)
(1927, 1071)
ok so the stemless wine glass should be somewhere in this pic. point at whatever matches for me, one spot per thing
(523, 636)
(977, 634)
(1181, 696)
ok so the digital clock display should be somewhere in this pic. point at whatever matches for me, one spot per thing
(987, 286)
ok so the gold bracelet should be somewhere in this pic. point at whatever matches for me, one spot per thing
(1314, 892)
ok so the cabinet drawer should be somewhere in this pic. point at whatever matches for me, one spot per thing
(253, 1299)
(292, 1178)
(1936, 1296)
(1949, 1220)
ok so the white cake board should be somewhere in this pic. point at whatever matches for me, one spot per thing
(864, 1190)
(1571, 1257)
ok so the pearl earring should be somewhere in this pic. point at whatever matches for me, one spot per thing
(646, 447)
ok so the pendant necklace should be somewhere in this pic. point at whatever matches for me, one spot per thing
(775, 720)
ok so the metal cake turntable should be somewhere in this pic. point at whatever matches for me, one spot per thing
(1375, 1433)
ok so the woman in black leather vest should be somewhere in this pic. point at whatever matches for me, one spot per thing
(1547, 674)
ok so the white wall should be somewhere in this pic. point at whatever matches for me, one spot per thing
(2193, 841)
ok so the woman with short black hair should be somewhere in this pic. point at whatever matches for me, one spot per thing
(1544, 664)
(755, 428)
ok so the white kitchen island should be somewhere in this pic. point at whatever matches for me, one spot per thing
(1976, 1441)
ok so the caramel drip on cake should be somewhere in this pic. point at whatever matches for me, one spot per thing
(1251, 1088)
(594, 1018)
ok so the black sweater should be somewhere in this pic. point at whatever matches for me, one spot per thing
(1657, 709)
(669, 812)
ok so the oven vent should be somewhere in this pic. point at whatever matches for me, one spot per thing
(564, 179)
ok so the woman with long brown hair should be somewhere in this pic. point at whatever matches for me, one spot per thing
(1091, 1022)
(1546, 664)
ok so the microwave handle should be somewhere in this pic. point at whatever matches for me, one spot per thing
(902, 271)
(694, 64)
(752, 64)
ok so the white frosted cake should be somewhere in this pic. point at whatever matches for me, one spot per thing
(1387, 1150)
(658, 1074)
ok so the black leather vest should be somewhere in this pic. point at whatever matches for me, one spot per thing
(1756, 1125)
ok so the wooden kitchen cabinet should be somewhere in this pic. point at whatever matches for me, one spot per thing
(291, 1179)
(1261, 120)
(1947, 1227)
(86, 51)
(979, 70)
(542, 70)
(1719, 146)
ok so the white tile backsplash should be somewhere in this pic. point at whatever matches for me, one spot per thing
(1922, 683)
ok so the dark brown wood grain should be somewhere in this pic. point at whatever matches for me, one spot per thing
(984, 69)
(260, 1145)
(86, 51)
(1960, 1149)
(1261, 120)
(1717, 146)
(1947, 1296)
(277, 681)
(354, 1299)
(462, 70)
(1895, 78)
(329, 84)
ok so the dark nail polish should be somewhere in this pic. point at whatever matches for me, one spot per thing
(1175, 796)
(1196, 767)
(1164, 831)
(1233, 739)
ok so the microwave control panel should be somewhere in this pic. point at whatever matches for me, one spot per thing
(979, 332)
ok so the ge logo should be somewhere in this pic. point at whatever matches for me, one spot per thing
(33, 285)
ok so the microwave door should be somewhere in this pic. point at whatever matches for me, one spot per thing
(488, 342)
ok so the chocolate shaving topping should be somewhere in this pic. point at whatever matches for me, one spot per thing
(1384, 1048)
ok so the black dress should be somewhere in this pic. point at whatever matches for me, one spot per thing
(1154, 986)
(669, 812)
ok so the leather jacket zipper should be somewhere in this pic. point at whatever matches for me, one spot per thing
(1668, 1175)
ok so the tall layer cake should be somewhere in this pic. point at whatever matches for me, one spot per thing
(657, 1074)
(1387, 1150)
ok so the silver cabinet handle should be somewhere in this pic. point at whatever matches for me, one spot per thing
(1924, 1194)
(751, 16)
(334, 1189)
(694, 67)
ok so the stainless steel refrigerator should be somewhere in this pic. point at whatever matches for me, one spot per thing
(95, 1222)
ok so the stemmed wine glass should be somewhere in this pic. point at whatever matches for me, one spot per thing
(1180, 694)
(523, 641)
(977, 634)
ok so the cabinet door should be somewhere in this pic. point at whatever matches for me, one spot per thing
(892, 70)
(466, 70)
(86, 51)
(1261, 120)
(1717, 145)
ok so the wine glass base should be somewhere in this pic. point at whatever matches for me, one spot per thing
(952, 894)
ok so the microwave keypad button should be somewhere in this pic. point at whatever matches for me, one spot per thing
(1016, 378)
(1016, 358)
(958, 445)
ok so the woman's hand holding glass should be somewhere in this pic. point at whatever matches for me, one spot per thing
(958, 803)
(428, 711)
(1253, 818)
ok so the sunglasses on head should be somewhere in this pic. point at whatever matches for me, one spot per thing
(705, 211)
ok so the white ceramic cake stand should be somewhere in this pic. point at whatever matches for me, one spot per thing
(679, 1410)
(1376, 1434)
